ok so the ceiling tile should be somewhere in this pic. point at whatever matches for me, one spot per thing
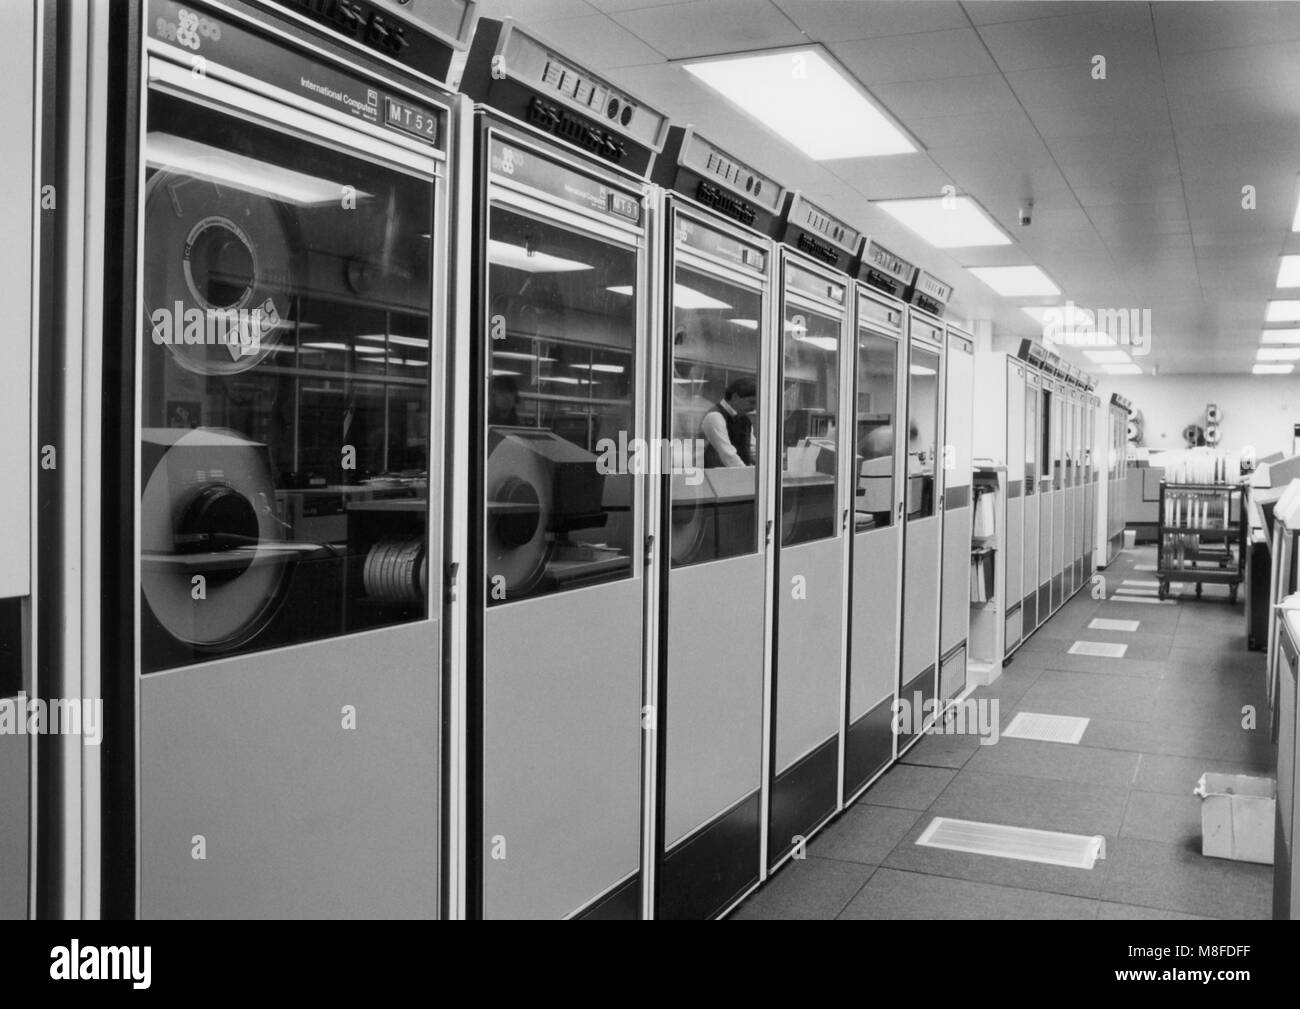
(924, 57)
(1262, 67)
(604, 43)
(1270, 105)
(627, 5)
(1065, 89)
(1009, 127)
(711, 27)
(1110, 195)
(838, 20)
(1191, 27)
(951, 97)
(531, 12)
(895, 177)
(988, 12)
(1122, 34)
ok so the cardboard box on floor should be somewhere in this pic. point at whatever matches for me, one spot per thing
(1237, 816)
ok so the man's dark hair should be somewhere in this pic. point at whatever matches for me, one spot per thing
(743, 386)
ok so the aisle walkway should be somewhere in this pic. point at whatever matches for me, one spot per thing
(1168, 710)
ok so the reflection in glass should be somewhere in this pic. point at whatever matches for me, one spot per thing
(1045, 428)
(922, 431)
(1054, 412)
(1031, 441)
(810, 405)
(285, 389)
(716, 359)
(875, 432)
(561, 448)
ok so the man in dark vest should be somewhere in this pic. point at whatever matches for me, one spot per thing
(727, 429)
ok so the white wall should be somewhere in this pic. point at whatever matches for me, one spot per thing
(1258, 410)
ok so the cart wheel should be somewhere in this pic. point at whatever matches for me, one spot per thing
(1164, 589)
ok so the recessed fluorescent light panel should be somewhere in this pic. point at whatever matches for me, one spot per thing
(1278, 354)
(802, 95)
(1272, 369)
(1016, 281)
(947, 222)
(1283, 311)
(1280, 336)
(1288, 274)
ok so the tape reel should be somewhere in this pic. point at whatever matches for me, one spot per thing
(1213, 435)
(1134, 431)
(213, 562)
(1213, 415)
(520, 506)
(396, 570)
(219, 268)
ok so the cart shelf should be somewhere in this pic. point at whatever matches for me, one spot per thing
(1192, 546)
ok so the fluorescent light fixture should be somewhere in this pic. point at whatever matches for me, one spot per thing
(403, 341)
(804, 97)
(1121, 369)
(560, 379)
(496, 372)
(516, 257)
(369, 350)
(329, 346)
(1272, 369)
(745, 323)
(947, 223)
(1015, 281)
(828, 343)
(519, 355)
(214, 164)
(1283, 311)
(686, 298)
(920, 369)
(613, 369)
(1278, 354)
(1280, 336)
(1288, 273)
(1107, 356)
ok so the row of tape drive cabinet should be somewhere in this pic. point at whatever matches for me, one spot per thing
(338, 259)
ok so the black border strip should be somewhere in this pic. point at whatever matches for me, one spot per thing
(49, 361)
(118, 868)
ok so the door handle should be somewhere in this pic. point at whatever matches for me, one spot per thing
(650, 549)
(767, 535)
(844, 519)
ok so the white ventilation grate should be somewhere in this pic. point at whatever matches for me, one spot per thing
(1104, 624)
(1141, 583)
(1046, 728)
(1048, 846)
(1100, 649)
(1120, 597)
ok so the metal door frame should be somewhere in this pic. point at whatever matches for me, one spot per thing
(488, 191)
(787, 256)
(674, 205)
(161, 67)
(861, 291)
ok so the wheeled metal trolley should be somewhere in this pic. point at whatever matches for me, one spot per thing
(1202, 538)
